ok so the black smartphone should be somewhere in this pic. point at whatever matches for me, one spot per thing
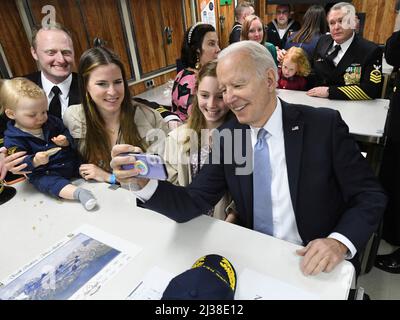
(151, 166)
(11, 178)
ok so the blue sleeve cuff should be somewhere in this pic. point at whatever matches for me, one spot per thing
(113, 179)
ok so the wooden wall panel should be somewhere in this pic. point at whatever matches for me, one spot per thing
(14, 41)
(269, 13)
(298, 11)
(102, 19)
(188, 14)
(260, 8)
(86, 20)
(138, 88)
(69, 15)
(379, 20)
(151, 52)
(228, 11)
(173, 19)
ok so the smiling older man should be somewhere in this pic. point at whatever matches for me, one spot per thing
(310, 186)
(346, 66)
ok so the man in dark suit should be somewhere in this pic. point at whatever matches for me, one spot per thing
(345, 66)
(53, 50)
(279, 29)
(324, 194)
(390, 168)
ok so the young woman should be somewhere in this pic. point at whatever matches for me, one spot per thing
(253, 29)
(200, 45)
(107, 115)
(187, 147)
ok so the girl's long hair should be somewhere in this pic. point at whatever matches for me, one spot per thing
(97, 147)
(314, 22)
(196, 120)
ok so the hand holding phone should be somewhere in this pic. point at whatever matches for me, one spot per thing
(150, 166)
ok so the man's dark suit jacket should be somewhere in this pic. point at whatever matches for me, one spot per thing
(358, 76)
(74, 97)
(390, 166)
(392, 56)
(332, 187)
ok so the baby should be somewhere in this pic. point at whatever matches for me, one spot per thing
(295, 68)
(51, 156)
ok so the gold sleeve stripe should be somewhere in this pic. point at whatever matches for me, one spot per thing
(375, 79)
(354, 93)
(362, 93)
(375, 76)
(11, 150)
(359, 93)
(1, 141)
(348, 93)
(161, 109)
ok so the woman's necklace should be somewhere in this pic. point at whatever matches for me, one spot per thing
(114, 134)
(113, 130)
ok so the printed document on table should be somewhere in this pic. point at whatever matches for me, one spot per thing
(75, 268)
(253, 285)
(152, 285)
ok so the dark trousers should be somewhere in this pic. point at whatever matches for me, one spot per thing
(390, 179)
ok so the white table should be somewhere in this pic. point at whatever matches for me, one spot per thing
(32, 222)
(365, 119)
(160, 94)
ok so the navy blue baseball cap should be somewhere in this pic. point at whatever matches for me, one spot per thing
(211, 277)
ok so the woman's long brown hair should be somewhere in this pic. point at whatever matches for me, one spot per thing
(97, 148)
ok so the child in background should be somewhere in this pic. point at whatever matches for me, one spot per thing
(295, 68)
(51, 156)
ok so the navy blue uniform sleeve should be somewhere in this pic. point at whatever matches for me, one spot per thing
(185, 203)
(14, 145)
(63, 130)
(370, 85)
(392, 49)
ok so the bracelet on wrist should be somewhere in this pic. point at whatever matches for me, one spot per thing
(113, 179)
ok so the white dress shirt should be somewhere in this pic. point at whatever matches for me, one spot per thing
(64, 87)
(343, 48)
(284, 220)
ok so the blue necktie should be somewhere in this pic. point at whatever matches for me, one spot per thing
(262, 177)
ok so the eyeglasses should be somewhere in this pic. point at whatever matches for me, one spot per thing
(282, 12)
